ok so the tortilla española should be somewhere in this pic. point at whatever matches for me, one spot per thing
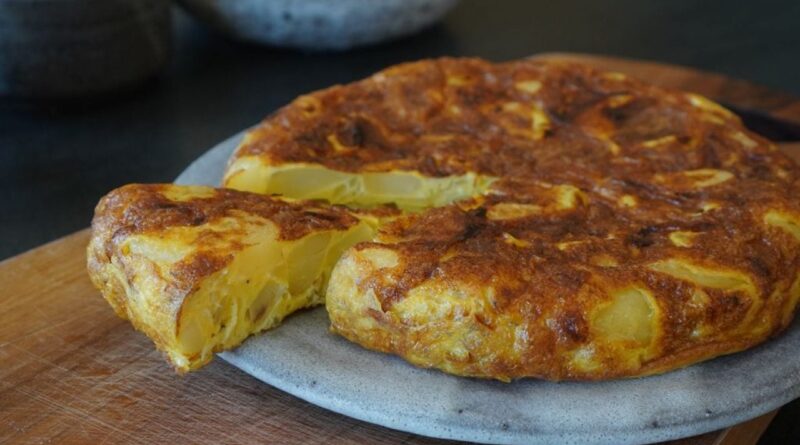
(559, 222)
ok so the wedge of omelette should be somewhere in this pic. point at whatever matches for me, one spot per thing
(199, 269)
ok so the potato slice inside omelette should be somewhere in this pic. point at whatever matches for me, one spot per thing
(199, 269)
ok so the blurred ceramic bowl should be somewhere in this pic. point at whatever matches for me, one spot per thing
(318, 24)
(67, 48)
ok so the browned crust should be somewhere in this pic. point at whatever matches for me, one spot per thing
(143, 208)
(403, 118)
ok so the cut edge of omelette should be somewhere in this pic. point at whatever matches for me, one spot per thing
(408, 190)
(199, 289)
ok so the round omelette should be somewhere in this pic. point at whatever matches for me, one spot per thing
(560, 222)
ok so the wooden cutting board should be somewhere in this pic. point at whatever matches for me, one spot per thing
(72, 372)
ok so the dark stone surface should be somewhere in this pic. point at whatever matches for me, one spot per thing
(57, 160)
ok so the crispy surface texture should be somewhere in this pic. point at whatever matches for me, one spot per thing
(199, 269)
(599, 227)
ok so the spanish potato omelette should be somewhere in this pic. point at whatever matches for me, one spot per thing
(563, 223)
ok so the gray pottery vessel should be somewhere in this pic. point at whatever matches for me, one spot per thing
(68, 48)
(318, 24)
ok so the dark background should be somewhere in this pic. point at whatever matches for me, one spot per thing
(57, 160)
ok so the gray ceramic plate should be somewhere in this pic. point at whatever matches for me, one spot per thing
(303, 358)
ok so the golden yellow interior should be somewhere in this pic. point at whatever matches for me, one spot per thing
(266, 281)
(408, 190)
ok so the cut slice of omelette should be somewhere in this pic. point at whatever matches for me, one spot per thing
(199, 269)
(560, 223)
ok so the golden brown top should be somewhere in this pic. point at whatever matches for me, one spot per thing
(151, 208)
(548, 119)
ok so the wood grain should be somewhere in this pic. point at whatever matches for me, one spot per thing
(72, 372)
